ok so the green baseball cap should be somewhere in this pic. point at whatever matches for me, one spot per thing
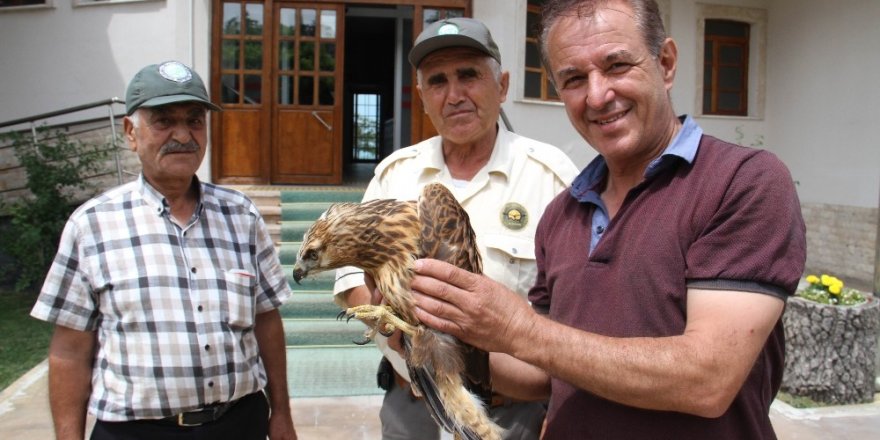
(453, 32)
(166, 83)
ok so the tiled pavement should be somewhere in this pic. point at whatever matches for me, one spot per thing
(24, 415)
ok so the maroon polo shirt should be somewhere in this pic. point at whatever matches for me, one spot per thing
(729, 220)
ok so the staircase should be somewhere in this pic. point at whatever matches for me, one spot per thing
(322, 361)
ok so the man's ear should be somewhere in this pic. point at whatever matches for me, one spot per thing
(668, 59)
(128, 129)
(504, 83)
(421, 98)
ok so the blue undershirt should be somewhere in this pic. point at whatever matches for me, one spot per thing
(587, 186)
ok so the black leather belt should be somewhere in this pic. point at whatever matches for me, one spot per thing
(208, 414)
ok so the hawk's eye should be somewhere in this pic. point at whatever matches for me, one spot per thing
(310, 255)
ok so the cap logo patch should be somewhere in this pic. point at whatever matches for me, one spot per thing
(514, 216)
(175, 71)
(448, 29)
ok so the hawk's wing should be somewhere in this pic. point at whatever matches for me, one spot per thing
(446, 229)
(447, 235)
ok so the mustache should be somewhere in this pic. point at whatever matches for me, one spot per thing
(455, 109)
(177, 147)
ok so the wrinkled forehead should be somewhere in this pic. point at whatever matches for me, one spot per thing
(187, 109)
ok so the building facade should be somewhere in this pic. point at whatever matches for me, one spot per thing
(311, 87)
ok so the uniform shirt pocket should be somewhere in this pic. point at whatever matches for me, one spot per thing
(510, 260)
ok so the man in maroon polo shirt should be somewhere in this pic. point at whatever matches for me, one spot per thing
(663, 272)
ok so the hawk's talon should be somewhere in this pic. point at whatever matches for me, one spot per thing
(341, 314)
(386, 322)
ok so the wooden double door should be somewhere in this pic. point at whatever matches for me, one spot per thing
(277, 71)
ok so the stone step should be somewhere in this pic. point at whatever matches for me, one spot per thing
(353, 195)
(310, 306)
(271, 213)
(304, 332)
(268, 202)
(309, 211)
(322, 360)
(287, 251)
(294, 230)
(332, 371)
(262, 196)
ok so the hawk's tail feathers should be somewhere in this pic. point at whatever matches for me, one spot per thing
(437, 373)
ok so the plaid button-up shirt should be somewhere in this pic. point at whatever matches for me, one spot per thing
(173, 307)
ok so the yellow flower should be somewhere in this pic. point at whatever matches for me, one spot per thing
(828, 289)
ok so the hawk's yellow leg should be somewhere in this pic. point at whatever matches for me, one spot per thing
(384, 318)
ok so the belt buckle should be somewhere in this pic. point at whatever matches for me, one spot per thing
(181, 422)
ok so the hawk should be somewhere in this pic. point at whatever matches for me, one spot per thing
(384, 238)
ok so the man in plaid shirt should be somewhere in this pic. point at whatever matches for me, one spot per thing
(165, 292)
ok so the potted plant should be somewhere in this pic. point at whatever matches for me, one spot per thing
(831, 340)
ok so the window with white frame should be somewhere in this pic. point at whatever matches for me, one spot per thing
(731, 55)
(537, 84)
(24, 4)
(104, 2)
(726, 68)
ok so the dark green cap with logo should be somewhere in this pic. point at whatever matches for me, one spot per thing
(453, 32)
(167, 83)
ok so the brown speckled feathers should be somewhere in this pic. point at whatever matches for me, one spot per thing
(384, 238)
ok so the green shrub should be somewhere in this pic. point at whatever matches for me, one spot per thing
(57, 167)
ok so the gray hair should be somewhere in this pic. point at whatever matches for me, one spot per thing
(646, 14)
(494, 67)
(136, 117)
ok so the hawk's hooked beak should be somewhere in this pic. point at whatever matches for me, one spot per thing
(298, 272)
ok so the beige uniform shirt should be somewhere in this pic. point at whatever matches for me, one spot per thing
(504, 200)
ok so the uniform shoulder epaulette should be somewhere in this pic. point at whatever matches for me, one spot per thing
(401, 154)
(553, 158)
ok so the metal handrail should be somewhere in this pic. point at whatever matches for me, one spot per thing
(107, 102)
(31, 119)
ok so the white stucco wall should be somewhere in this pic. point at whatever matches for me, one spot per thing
(66, 55)
(684, 17)
(823, 97)
(548, 121)
(820, 89)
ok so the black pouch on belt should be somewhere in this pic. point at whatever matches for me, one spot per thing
(385, 375)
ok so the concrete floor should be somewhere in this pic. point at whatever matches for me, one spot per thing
(24, 415)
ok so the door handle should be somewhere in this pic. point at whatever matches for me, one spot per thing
(325, 124)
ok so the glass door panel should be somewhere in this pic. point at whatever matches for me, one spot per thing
(241, 54)
(306, 118)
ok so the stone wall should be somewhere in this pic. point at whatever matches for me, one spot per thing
(13, 178)
(841, 242)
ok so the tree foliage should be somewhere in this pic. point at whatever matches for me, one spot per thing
(56, 167)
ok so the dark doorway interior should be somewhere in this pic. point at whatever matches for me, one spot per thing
(369, 89)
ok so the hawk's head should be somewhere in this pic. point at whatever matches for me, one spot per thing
(320, 248)
(366, 235)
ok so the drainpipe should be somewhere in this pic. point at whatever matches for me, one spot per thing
(877, 263)
(399, 65)
(192, 35)
(876, 294)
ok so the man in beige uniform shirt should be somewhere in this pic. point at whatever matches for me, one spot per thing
(502, 180)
